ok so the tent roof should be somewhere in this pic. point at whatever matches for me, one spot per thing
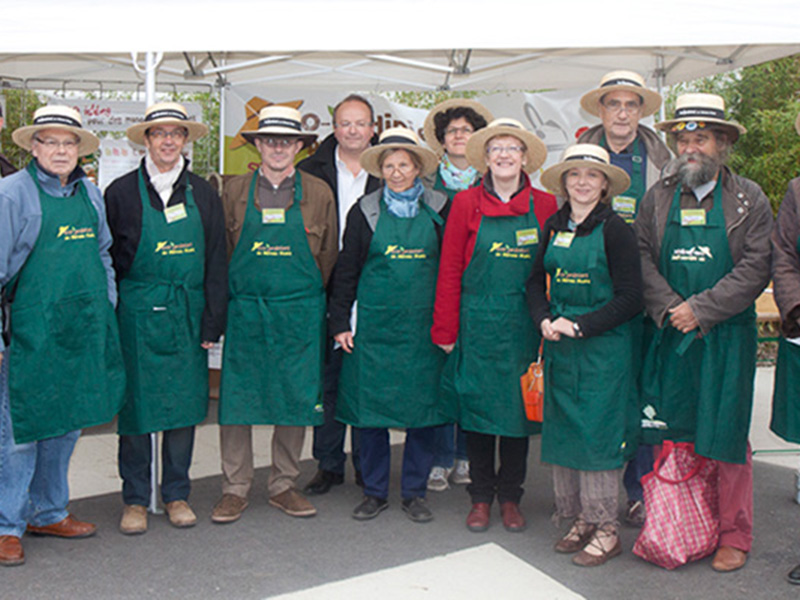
(384, 45)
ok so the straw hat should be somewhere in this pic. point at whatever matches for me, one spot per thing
(57, 117)
(166, 113)
(276, 121)
(476, 146)
(621, 81)
(585, 155)
(696, 111)
(398, 138)
(429, 129)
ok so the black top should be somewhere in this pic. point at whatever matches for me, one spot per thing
(622, 254)
(344, 281)
(124, 212)
(6, 168)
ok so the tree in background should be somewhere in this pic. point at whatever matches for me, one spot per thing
(20, 105)
(765, 99)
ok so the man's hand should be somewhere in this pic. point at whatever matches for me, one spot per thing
(682, 318)
(345, 340)
(206, 345)
(447, 348)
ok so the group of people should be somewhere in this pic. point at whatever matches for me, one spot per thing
(383, 283)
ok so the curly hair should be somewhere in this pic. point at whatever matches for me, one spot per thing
(443, 119)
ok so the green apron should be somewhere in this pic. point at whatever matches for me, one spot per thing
(785, 420)
(392, 377)
(626, 205)
(700, 389)
(497, 340)
(588, 381)
(272, 360)
(161, 302)
(65, 369)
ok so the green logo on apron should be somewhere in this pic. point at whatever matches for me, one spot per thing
(69, 233)
(167, 248)
(501, 250)
(394, 251)
(264, 249)
(694, 254)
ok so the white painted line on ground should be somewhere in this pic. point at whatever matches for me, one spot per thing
(486, 571)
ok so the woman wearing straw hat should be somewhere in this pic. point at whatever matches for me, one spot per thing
(391, 370)
(480, 316)
(595, 290)
(448, 128)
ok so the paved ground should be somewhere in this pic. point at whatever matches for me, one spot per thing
(267, 554)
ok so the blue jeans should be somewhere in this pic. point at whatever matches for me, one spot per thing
(376, 462)
(329, 437)
(33, 477)
(449, 444)
(176, 458)
(639, 466)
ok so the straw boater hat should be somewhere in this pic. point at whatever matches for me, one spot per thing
(585, 155)
(697, 111)
(429, 129)
(57, 117)
(276, 121)
(166, 113)
(476, 146)
(621, 81)
(398, 138)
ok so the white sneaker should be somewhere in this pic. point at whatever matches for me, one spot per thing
(437, 480)
(460, 475)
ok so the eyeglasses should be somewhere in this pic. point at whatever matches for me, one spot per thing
(160, 134)
(510, 150)
(616, 106)
(456, 130)
(52, 144)
(278, 142)
(357, 124)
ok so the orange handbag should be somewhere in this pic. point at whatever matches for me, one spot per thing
(532, 382)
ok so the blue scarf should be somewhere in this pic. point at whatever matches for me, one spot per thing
(404, 205)
(455, 178)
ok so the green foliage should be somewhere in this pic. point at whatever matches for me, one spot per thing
(427, 99)
(765, 99)
(20, 106)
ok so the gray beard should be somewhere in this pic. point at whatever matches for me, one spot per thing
(695, 175)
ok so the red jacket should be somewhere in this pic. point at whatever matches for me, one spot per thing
(463, 222)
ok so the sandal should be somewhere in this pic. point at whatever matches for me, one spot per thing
(576, 537)
(604, 546)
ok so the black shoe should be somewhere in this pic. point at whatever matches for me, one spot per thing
(369, 508)
(417, 510)
(794, 576)
(322, 482)
(359, 479)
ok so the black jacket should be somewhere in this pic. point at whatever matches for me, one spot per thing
(624, 266)
(124, 212)
(323, 164)
(6, 168)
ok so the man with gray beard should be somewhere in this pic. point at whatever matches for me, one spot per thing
(704, 242)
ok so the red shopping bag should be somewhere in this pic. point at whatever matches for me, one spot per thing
(681, 497)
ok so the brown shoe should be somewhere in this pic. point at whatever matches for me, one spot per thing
(577, 537)
(478, 517)
(728, 559)
(11, 551)
(134, 519)
(180, 514)
(69, 527)
(293, 504)
(602, 547)
(228, 509)
(513, 519)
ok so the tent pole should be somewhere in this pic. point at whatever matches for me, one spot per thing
(660, 79)
(221, 130)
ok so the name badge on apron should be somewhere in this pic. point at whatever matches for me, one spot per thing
(693, 217)
(527, 237)
(624, 205)
(563, 239)
(175, 213)
(273, 216)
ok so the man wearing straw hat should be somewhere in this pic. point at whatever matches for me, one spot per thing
(61, 366)
(336, 162)
(170, 261)
(282, 246)
(704, 241)
(620, 101)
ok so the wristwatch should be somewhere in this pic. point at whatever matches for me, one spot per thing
(577, 329)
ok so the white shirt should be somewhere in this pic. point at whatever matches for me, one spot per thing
(701, 191)
(349, 188)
